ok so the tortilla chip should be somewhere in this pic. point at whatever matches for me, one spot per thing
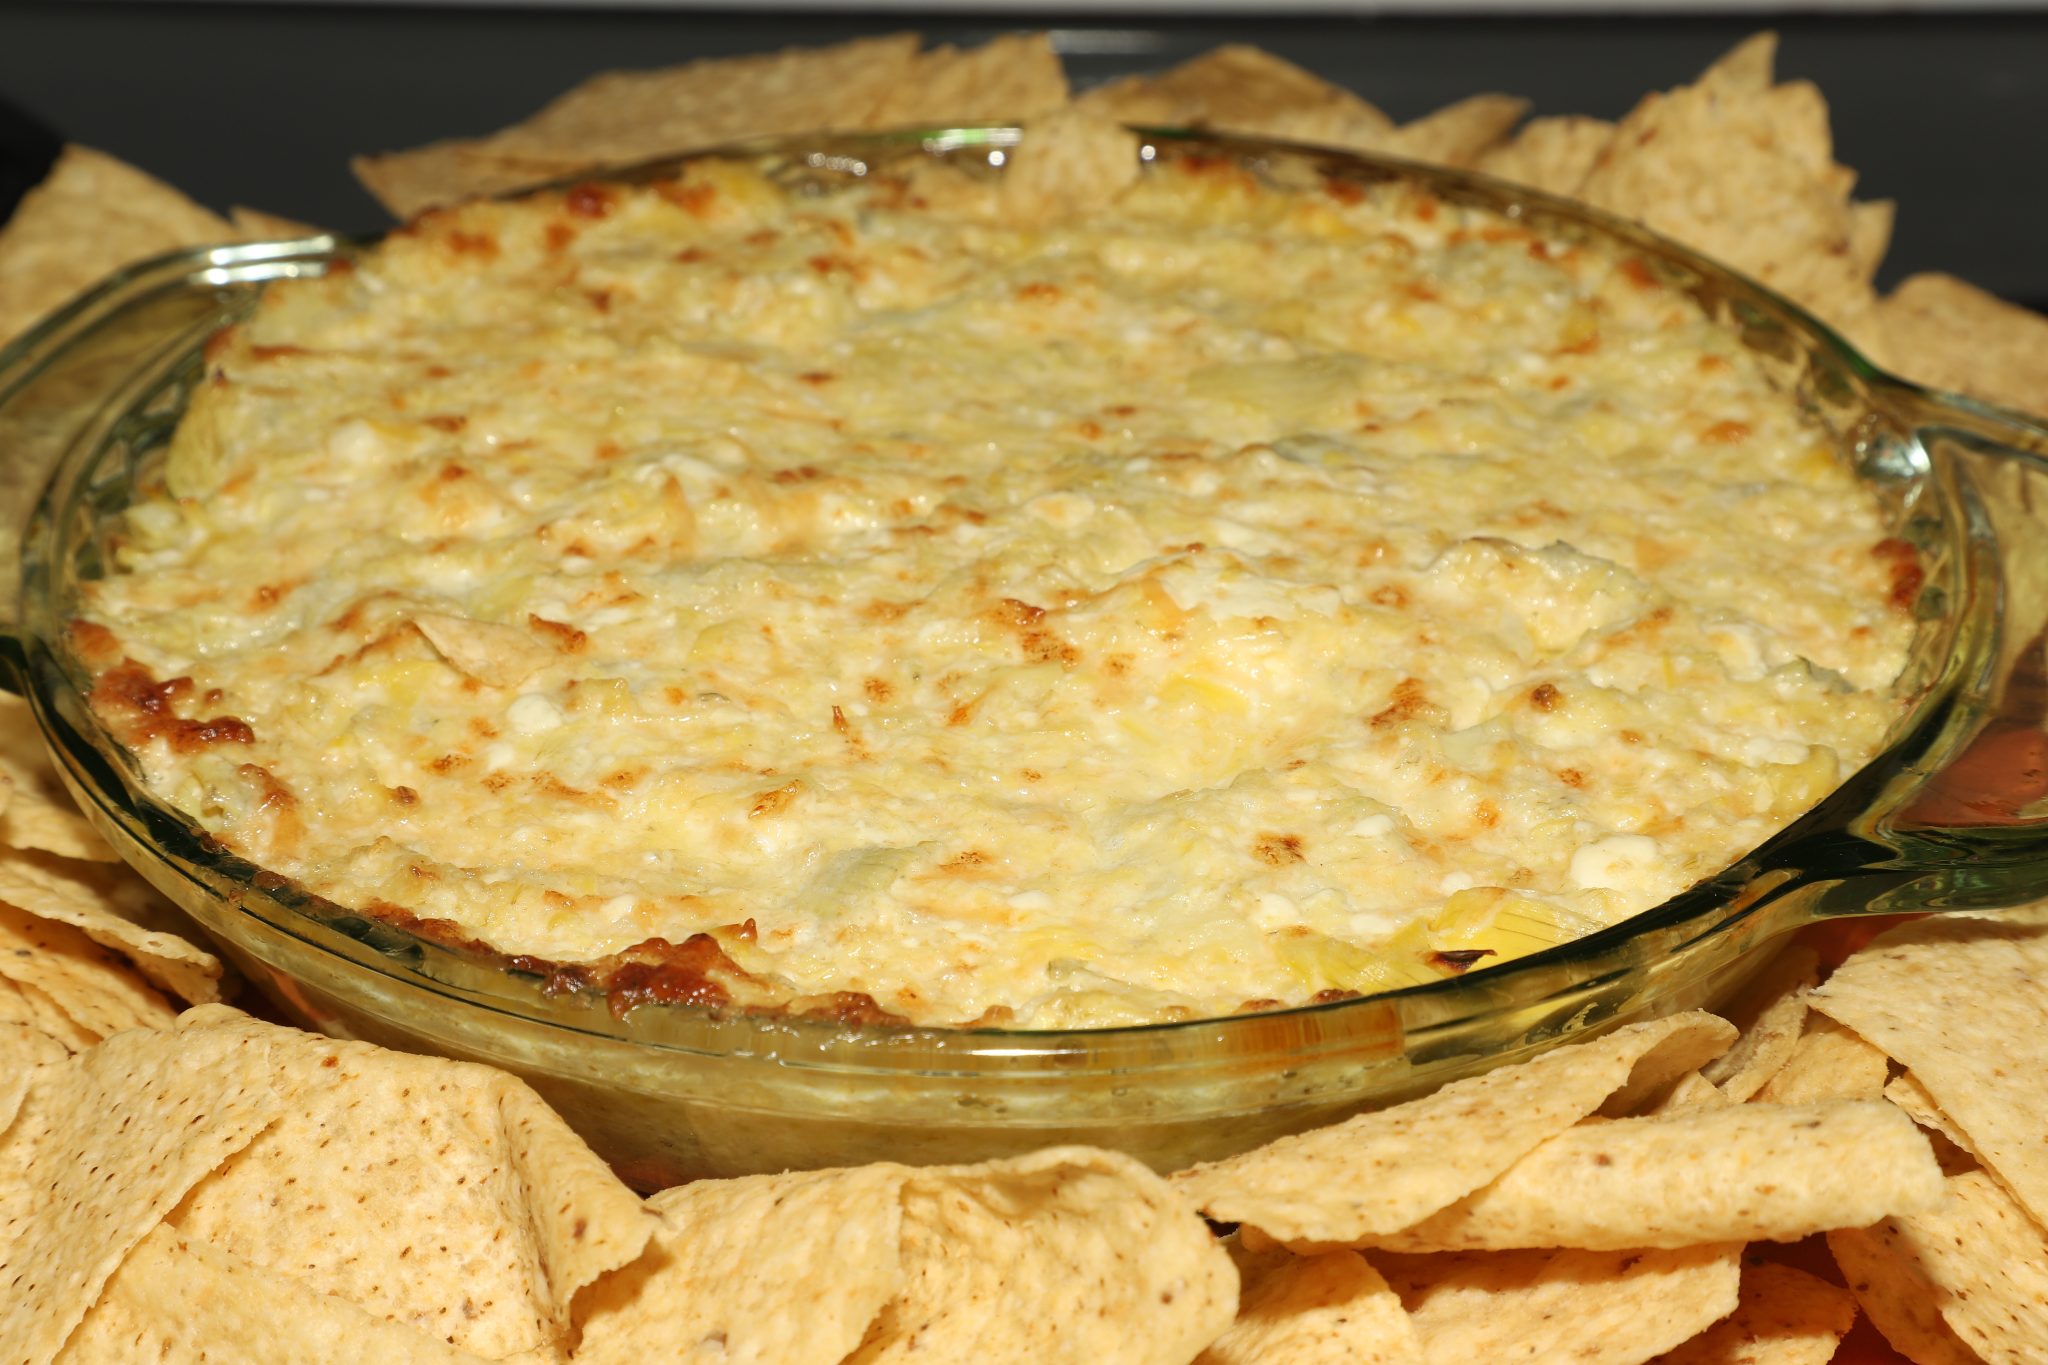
(1960, 1002)
(1691, 1048)
(409, 183)
(92, 985)
(381, 1154)
(39, 813)
(494, 654)
(179, 1302)
(622, 117)
(1241, 89)
(13, 1083)
(105, 1146)
(787, 1268)
(116, 909)
(1943, 332)
(1967, 1280)
(1784, 1317)
(1690, 1091)
(1381, 1172)
(1870, 233)
(257, 226)
(1747, 68)
(1017, 76)
(29, 1007)
(1800, 112)
(1066, 1255)
(1908, 1094)
(22, 1046)
(1896, 1294)
(1332, 1309)
(1069, 164)
(1988, 1264)
(1458, 134)
(1588, 1307)
(90, 217)
(1737, 1173)
(1770, 1011)
(1828, 1063)
(1728, 167)
(1551, 154)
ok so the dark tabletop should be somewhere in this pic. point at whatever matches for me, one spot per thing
(263, 104)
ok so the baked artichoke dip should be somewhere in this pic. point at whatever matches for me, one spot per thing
(877, 603)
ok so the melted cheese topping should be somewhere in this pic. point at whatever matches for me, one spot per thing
(1232, 596)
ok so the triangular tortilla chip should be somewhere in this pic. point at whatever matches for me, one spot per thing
(1800, 112)
(1829, 1062)
(1870, 232)
(383, 1155)
(1908, 1094)
(495, 654)
(258, 226)
(1066, 1255)
(1016, 76)
(1070, 163)
(787, 1268)
(1379, 1173)
(22, 1047)
(1332, 1309)
(175, 1301)
(1458, 134)
(411, 182)
(22, 1050)
(627, 115)
(1241, 89)
(1907, 1286)
(1784, 1317)
(1988, 1265)
(90, 217)
(1733, 1173)
(1552, 154)
(1587, 1307)
(1770, 1011)
(1690, 1091)
(1941, 331)
(1960, 1002)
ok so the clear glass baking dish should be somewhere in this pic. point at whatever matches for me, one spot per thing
(1953, 814)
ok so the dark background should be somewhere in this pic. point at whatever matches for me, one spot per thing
(263, 104)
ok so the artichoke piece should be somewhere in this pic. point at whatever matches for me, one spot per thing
(1501, 925)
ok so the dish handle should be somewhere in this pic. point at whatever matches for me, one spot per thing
(64, 382)
(1961, 822)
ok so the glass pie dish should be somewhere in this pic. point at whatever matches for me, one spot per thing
(1953, 814)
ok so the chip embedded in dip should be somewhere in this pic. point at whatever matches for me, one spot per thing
(884, 602)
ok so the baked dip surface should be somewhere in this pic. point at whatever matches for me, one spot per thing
(1227, 597)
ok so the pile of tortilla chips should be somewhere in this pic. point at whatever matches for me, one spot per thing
(87, 949)
(181, 1182)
